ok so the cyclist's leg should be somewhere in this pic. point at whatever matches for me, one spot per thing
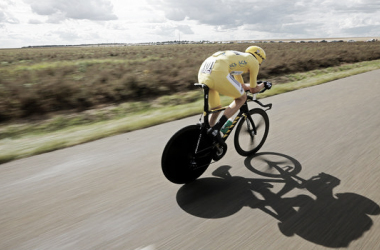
(235, 106)
(213, 95)
(214, 102)
(229, 86)
(228, 112)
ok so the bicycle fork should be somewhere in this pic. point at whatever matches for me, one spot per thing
(252, 132)
(247, 118)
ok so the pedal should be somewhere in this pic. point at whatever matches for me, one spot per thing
(219, 152)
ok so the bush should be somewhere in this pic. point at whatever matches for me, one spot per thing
(42, 80)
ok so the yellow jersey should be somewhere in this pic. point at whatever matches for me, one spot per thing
(235, 63)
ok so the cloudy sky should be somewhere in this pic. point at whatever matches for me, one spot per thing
(59, 22)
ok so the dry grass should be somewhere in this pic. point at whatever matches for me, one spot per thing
(30, 138)
(44, 80)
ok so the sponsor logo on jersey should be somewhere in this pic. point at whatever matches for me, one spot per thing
(242, 63)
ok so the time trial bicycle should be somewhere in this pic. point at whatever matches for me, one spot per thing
(190, 151)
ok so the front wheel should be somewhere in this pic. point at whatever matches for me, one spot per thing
(251, 134)
(180, 162)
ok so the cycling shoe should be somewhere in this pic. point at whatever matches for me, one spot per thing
(221, 147)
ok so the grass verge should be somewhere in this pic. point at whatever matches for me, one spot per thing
(24, 140)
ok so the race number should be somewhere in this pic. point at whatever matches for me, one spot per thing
(208, 65)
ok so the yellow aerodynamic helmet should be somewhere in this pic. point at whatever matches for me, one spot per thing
(257, 52)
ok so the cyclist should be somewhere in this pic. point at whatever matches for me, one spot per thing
(222, 73)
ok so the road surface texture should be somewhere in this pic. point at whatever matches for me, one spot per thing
(111, 193)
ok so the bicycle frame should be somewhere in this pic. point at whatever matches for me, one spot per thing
(192, 149)
(241, 114)
(232, 126)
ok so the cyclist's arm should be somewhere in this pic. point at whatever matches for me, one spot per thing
(240, 79)
(254, 90)
(252, 86)
(253, 73)
(258, 88)
(248, 86)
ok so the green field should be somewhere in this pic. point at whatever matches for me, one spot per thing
(54, 98)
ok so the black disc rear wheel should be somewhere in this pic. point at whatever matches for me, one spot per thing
(180, 164)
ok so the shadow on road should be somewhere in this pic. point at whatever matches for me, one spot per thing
(331, 220)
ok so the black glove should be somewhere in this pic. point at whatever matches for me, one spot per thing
(267, 85)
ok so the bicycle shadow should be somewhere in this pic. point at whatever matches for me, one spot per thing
(331, 220)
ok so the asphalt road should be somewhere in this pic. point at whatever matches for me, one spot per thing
(111, 194)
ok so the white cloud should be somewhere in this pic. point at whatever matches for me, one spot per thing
(354, 6)
(274, 17)
(6, 16)
(35, 21)
(231, 14)
(171, 30)
(98, 10)
(31, 22)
